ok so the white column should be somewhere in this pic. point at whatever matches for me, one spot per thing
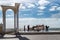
(15, 21)
(4, 21)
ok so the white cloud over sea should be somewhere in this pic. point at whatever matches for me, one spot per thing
(56, 15)
(52, 22)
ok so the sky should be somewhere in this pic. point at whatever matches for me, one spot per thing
(45, 12)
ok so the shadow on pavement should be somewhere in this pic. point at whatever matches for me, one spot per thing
(19, 37)
(22, 38)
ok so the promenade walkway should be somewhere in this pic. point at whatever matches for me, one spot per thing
(42, 35)
(32, 37)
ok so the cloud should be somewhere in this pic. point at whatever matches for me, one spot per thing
(17, 1)
(23, 7)
(6, 2)
(9, 13)
(40, 11)
(27, 15)
(41, 7)
(33, 21)
(1, 20)
(53, 8)
(45, 21)
(58, 8)
(24, 1)
(12, 2)
(0, 8)
(26, 6)
(30, 5)
(43, 2)
(40, 14)
(57, 15)
(9, 23)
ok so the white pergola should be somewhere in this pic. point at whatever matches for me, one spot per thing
(15, 9)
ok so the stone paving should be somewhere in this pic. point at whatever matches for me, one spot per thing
(32, 37)
(9, 37)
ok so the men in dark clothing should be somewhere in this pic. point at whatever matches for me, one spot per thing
(47, 28)
(28, 27)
